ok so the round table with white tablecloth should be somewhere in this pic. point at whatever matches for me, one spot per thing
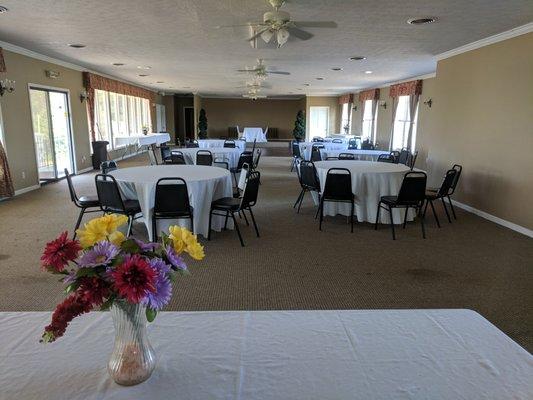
(305, 147)
(231, 156)
(205, 185)
(370, 181)
(365, 155)
(216, 143)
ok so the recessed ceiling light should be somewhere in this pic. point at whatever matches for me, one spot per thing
(160, 82)
(357, 58)
(143, 75)
(144, 67)
(118, 64)
(186, 87)
(421, 21)
(319, 79)
(3, 9)
(307, 84)
(368, 72)
(77, 45)
(336, 69)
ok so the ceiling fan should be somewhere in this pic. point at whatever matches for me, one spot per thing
(260, 70)
(255, 85)
(253, 93)
(279, 23)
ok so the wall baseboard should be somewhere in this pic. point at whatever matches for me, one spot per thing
(26, 189)
(82, 171)
(517, 228)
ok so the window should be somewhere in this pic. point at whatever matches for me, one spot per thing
(346, 119)
(369, 122)
(119, 115)
(401, 125)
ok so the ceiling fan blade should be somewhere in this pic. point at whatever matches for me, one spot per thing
(300, 34)
(258, 33)
(248, 70)
(278, 72)
(315, 24)
(238, 25)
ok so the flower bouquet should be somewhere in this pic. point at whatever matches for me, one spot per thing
(131, 278)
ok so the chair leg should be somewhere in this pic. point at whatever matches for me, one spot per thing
(321, 208)
(154, 229)
(298, 199)
(209, 229)
(351, 216)
(425, 207)
(78, 222)
(293, 164)
(318, 208)
(246, 219)
(405, 217)
(377, 216)
(226, 221)
(434, 212)
(446, 210)
(253, 220)
(237, 228)
(451, 206)
(192, 223)
(392, 224)
(301, 200)
(422, 224)
(130, 225)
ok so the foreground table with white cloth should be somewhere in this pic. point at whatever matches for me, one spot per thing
(231, 156)
(216, 143)
(308, 355)
(143, 140)
(205, 185)
(254, 134)
(370, 181)
(365, 155)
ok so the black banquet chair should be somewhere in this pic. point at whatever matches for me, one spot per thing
(246, 157)
(441, 193)
(192, 144)
(296, 154)
(346, 156)
(315, 152)
(165, 153)
(230, 205)
(230, 144)
(176, 158)
(338, 188)
(112, 202)
(352, 144)
(108, 166)
(337, 141)
(386, 158)
(411, 195)
(309, 182)
(84, 203)
(204, 157)
(171, 202)
(404, 157)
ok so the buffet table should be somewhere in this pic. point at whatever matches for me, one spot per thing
(254, 135)
(143, 140)
(337, 355)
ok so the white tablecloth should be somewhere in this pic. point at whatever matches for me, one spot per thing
(370, 181)
(143, 140)
(365, 155)
(257, 134)
(216, 143)
(230, 155)
(278, 355)
(305, 147)
(205, 184)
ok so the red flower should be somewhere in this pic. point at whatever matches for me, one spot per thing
(59, 252)
(65, 312)
(134, 278)
(93, 290)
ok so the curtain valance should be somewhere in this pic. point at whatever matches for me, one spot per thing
(346, 98)
(406, 88)
(2, 62)
(372, 94)
(92, 81)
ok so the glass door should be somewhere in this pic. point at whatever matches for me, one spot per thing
(51, 129)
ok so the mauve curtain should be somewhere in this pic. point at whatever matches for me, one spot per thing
(394, 109)
(6, 183)
(413, 104)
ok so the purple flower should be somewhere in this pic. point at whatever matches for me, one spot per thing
(102, 253)
(146, 246)
(70, 278)
(175, 259)
(163, 288)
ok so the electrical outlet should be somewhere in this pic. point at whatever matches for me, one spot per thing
(84, 159)
(23, 174)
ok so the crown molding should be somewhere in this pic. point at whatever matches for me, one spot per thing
(38, 56)
(518, 31)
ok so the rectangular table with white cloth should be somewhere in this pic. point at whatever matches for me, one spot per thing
(143, 140)
(248, 355)
(252, 134)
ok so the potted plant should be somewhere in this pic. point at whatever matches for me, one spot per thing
(299, 127)
(202, 125)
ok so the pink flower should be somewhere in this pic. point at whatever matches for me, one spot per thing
(134, 278)
(59, 252)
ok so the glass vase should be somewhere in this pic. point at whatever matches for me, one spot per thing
(133, 358)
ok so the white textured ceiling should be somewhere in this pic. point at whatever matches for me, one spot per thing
(178, 40)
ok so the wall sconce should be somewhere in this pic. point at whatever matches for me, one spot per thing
(83, 96)
(354, 108)
(429, 103)
(6, 86)
(383, 104)
(52, 74)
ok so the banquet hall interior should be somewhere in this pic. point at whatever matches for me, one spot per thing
(349, 183)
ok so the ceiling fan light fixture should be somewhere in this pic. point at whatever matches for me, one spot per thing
(267, 35)
(282, 36)
(3, 9)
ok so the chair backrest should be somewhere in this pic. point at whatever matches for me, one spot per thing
(352, 144)
(246, 157)
(257, 158)
(108, 193)
(221, 162)
(336, 141)
(447, 182)
(165, 152)
(367, 145)
(171, 196)
(404, 157)
(338, 184)
(107, 166)
(251, 190)
(318, 139)
(309, 176)
(71, 190)
(315, 153)
(387, 158)
(346, 156)
(296, 149)
(245, 171)
(192, 144)
(412, 161)
(230, 144)
(459, 169)
(396, 155)
(176, 157)
(413, 189)
(204, 157)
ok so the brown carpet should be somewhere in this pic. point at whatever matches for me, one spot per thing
(471, 263)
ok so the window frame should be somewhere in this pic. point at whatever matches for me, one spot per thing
(404, 120)
(372, 121)
(348, 119)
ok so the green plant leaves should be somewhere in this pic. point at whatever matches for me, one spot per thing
(150, 314)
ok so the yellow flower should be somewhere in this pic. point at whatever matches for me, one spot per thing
(117, 238)
(185, 240)
(113, 221)
(196, 250)
(176, 235)
(93, 233)
(99, 229)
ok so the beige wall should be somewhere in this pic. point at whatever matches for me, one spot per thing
(168, 102)
(224, 113)
(334, 112)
